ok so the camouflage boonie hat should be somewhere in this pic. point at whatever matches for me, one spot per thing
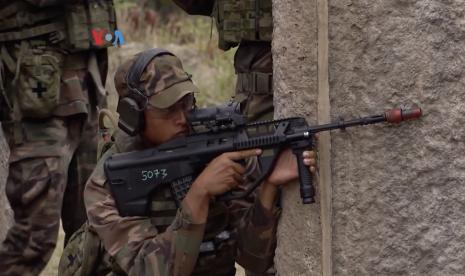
(164, 80)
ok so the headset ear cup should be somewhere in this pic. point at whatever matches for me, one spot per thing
(131, 117)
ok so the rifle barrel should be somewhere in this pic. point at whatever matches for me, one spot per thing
(395, 115)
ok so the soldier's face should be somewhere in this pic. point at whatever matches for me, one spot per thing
(162, 125)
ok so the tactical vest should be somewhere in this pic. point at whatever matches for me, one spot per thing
(37, 43)
(242, 20)
(80, 25)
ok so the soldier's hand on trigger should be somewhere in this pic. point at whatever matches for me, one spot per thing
(223, 173)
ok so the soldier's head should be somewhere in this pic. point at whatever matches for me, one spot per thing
(154, 95)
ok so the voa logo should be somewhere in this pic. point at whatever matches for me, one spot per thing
(102, 36)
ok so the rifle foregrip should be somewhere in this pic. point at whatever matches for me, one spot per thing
(307, 191)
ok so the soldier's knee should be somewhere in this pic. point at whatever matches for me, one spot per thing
(41, 243)
(42, 250)
(30, 180)
(33, 189)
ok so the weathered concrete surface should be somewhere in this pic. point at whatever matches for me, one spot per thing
(295, 85)
(6, 215)
(399, 205)
(398, 191)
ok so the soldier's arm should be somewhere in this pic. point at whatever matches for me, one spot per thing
(257, 229)
(256, 242)
(256, 224)
(196, 7)
(135, 243)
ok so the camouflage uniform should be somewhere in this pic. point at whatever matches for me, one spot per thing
(247, 23)
(48, 106)
(166, 242)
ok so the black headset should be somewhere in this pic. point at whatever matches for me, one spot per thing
(131, 107)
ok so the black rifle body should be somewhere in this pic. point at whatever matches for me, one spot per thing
(134, 176)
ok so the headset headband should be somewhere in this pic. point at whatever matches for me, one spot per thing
(136, 70)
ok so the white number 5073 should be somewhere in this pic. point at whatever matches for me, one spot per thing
(157, 173)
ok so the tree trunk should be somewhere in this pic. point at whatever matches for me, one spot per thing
(398, 193)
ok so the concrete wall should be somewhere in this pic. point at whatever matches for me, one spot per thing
(295, 84)
(398, 193)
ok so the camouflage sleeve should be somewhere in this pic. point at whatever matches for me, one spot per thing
(134, 242)
(196, 7)
(257, 237)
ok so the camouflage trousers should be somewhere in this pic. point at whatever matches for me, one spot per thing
(51, 156)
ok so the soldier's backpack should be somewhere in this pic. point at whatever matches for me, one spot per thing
(84, 255)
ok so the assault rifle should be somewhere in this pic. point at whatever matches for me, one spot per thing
(134, 176)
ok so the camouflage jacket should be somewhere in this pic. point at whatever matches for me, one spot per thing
(141, 248)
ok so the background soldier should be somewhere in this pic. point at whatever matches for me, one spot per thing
(248, 24)
(50, 87)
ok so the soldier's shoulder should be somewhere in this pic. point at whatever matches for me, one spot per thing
(122, 143)
(98, 175)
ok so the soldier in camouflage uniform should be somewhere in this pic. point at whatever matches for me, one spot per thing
(199, 237)
(50, 87)
(249, 25)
